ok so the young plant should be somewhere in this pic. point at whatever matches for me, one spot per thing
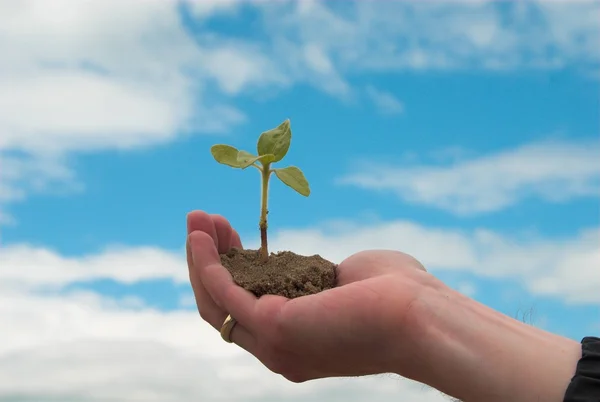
(272, 146)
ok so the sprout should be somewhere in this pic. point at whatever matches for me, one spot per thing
(272, 146)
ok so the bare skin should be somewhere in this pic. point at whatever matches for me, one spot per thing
(387, 315)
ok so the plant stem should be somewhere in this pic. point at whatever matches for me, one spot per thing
(264, 248)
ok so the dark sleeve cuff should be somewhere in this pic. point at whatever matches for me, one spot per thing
(585, 384)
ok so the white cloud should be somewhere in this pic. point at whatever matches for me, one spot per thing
(238, 67)
(467, 288)
(25, 266)
(21, 175)
(565, 268)
(209, 8)
(83, 76)
(87, 76)
(317, 59)
(386, 102)
(450, 35)
(78, 110)
(561, 281)
(116, 75)
(85, 348)
(552, 171)
(93, 75)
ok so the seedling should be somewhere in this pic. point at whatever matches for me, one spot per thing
(272, 146)
(284, 273)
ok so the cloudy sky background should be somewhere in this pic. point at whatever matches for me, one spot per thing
(464, 133)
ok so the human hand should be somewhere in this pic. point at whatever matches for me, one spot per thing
(366, 325)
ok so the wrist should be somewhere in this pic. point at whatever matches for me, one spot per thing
(474, 353)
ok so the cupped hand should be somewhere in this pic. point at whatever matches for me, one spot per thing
(365, 325)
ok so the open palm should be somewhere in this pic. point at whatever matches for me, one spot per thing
(344, 331)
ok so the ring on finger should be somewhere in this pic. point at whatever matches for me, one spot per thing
(227, 327)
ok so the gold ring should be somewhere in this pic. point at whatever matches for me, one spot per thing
(227, 328)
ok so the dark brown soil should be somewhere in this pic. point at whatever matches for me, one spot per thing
(285, 273)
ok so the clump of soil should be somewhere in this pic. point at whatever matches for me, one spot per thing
(285, 273)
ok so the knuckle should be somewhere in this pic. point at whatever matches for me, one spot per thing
(208, 315)
(295, 377)
(275, 363)
(217, 217)
(203, 314)
(286, 367)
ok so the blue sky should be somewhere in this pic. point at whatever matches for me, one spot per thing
(463, 133)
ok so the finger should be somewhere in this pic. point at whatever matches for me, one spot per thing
(240, 336)
(214, 315)
(218, 281)
(201, 221)
(208, 309)
(225, 234)
(235, 240)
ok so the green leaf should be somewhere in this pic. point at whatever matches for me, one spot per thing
(227, 155)
(293, 177)
(246, 158)
(275, 141)
(230, 156)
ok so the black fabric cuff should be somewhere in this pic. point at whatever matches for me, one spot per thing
(585, 384)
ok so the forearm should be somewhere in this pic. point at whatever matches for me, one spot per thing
(474, 353)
